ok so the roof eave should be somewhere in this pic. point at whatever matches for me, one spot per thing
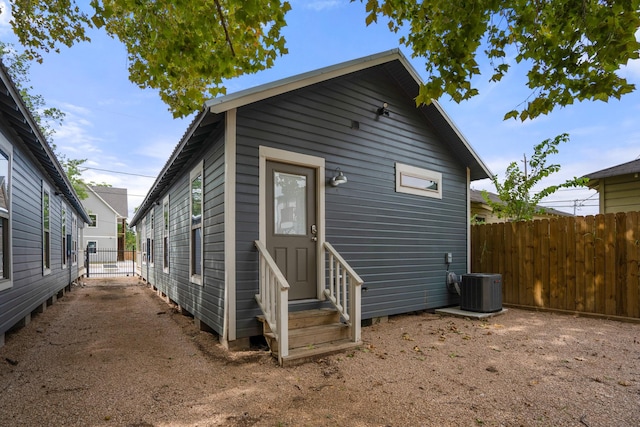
(59, 177)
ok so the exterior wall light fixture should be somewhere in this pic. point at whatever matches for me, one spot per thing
(338, 178)
(382, 111)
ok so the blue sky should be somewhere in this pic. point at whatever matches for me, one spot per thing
(119, 127)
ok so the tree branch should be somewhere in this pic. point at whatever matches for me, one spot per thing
(224, 25)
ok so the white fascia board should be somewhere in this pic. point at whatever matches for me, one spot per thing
(258, 93)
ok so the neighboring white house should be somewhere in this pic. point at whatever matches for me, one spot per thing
(107, 208)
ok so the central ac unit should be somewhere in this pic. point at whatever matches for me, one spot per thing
(481, 292)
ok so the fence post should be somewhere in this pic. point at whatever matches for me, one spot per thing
(133, 261)
(86, 260)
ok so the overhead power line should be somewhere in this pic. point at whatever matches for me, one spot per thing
(118, 172)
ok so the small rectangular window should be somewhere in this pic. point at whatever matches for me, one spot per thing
(94, 221)
(418, 181)
(196, 240)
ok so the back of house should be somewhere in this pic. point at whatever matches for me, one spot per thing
(335, 164)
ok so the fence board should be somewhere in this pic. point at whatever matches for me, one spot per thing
(589, 294)
(553, 263)
(621, 265)
(538, 292)
(543, 229)
(632, 264)
(499, 236)
(521, 232)
(588, 264)
(611, 273)
(570, 247)
(529, 258)
(581, 231)
(599, 266)
(496, 249)
(515, 262)
(475, 244)
(482, 249)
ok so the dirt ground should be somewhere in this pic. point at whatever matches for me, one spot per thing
(112, 353)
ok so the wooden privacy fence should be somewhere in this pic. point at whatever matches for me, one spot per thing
(583, 264)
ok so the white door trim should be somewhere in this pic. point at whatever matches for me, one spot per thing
(317, 163)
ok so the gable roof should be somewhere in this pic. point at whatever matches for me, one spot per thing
(15, 114)
(394, 62)
(115, 198)
(622, 169)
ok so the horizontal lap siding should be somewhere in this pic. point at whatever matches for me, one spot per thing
(30, 288)
(396, 242)
(622, 194)
(205, 302)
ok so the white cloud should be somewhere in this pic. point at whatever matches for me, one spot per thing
(319, 5)
(75, 137)
(5, 17)
(631, 71)
(75, 109)
(159, 149)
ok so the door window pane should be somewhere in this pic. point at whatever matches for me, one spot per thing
(290, 204)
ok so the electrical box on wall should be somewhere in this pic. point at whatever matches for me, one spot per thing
(448, 258)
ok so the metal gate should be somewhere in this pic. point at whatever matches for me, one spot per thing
(109, 262)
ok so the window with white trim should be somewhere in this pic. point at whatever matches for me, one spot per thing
(94, 221)
(143, 240)
(5, 214)
(165, 234)
(418, 181)
(63, 233)
(74, 239)
(196, 190)
(46, 229)
(150, 241)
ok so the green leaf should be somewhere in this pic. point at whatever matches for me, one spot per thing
(186, 49)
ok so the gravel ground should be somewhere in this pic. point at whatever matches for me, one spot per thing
(112, 353)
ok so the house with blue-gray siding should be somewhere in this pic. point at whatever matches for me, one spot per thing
(328, 192)
(41, 217)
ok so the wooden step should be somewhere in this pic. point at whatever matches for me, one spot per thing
(307, 318)
(304, 354)
(303, 319)
(311, 336)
